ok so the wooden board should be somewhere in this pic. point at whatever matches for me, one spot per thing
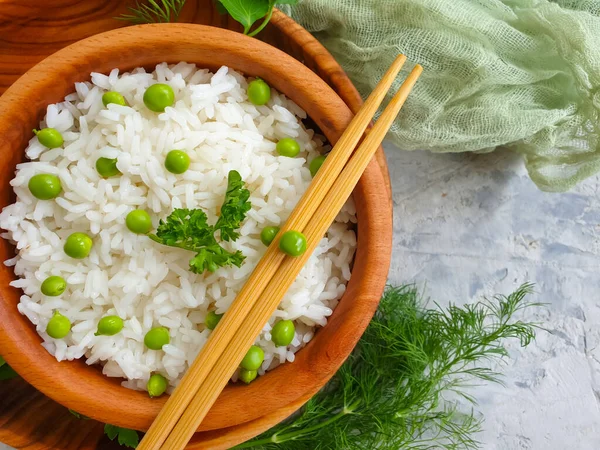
(30, 30)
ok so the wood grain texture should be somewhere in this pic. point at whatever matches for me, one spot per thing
(30, 420)
(29, 31)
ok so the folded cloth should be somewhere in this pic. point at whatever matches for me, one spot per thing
(524, 74)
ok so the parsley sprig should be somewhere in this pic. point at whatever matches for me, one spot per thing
(190, 230)
(125, 436)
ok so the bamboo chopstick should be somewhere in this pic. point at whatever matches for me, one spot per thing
(267, 266)
(317, 226)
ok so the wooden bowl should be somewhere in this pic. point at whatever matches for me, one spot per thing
(85, 389)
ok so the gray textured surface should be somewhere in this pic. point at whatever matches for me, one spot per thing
(471, 225)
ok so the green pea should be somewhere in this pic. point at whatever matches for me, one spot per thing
(53, 286)
(288, 147)
(59, 326)
(282, 333)
(44, 186)
(157, 385)
(259, 92)
(138, 221)
(109, 326)
(212, 320)
(156, 338)
(316, 164)
(113, 97)
(158, 96)
(78, 245)
(177, 161)
(253, 359)
(268, 234)
(107, 167)
(49, 137)
(292, 243)
(247, 376)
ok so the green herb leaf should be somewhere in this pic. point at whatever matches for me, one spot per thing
(185, 228)
(6, 372)
(267, 17)
(389, 393)
(220, 8)
(213, 257)
(111, 431)
(154, 11)
(234, 209)
(247, 12)
(189, 229)
(129, 438)
(126, 437)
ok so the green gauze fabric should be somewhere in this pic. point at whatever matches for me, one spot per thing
(521, 73)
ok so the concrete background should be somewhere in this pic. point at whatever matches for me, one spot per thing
(472, 225)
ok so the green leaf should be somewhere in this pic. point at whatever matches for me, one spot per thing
(213, 257)
(286, 2)
(126, 437)
(111, 431)
(247, 12)
(220, 8)
(186, 229)
(6, 372)
(267, 17)
(234, 208)
(189, 229)
(129, 438)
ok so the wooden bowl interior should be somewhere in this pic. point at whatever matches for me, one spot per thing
(85, 389)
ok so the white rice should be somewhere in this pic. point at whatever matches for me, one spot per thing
(143, 282)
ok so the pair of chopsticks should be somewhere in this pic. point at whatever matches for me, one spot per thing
(330, 189)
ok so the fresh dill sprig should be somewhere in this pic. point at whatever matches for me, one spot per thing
(154, 11)
(390, 393)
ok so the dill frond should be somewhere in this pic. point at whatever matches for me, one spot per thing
(154, 11)
(389, 394)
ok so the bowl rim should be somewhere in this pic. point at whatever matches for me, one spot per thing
(133, 409)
